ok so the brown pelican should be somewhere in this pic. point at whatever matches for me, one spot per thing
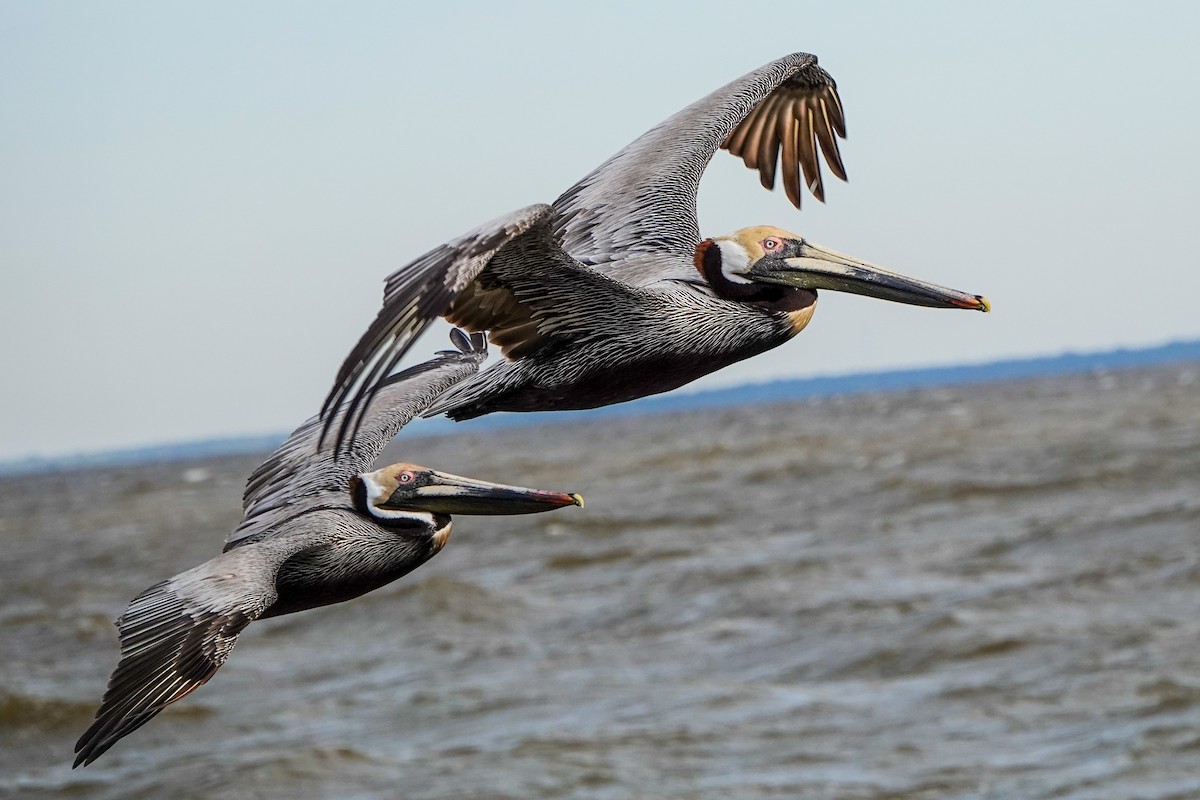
(610, 294)
(317, 529)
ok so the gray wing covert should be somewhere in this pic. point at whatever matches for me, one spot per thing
(642, 201)
(307, 468)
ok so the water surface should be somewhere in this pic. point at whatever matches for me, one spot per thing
(987, 591)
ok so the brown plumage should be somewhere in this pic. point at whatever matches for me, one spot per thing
(803, 116)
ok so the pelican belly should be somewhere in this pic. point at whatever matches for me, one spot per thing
(604, 383)
(671, 337)
(345, 569)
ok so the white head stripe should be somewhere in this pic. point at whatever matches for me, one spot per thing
(734, 260)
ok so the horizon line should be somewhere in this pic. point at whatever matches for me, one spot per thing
(747, 393)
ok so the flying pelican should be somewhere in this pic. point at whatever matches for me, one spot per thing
(317, 529)
(610, 294)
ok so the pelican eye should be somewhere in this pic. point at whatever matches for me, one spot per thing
(771, 245)
(405, 477)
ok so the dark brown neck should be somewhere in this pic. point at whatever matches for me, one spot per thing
(774, 297)
(708, 263)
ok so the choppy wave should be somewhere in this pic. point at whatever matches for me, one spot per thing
(984, 591)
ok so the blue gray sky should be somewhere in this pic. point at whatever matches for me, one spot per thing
(200, 201)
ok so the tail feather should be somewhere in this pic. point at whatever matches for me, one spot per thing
(170, 645)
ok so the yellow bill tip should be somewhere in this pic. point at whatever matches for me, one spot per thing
(979, 303)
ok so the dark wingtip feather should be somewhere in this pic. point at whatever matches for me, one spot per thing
(828, 142)
(807, 151)
(790, 160)
(804, 116)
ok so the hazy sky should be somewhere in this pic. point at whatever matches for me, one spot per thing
(199, 202)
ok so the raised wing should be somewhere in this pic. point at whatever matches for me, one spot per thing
(414, 296)
(307, 469)
(642, 201)
(802, 115)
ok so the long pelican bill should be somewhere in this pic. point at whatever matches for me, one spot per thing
(812, 267)
(452, 494)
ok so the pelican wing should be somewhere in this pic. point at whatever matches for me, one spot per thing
(530, 294)
(642, 201)
(174, 637)
(413, 297)
(308, 470)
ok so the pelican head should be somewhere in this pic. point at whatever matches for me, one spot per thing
(396, 491)
(770, 256)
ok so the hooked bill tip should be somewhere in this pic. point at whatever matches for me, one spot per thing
(980, 303)
(578, 498)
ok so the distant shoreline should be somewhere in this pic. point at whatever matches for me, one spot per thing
(776, 391)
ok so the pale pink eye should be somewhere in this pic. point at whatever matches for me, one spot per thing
(770, 244)
(405, 477)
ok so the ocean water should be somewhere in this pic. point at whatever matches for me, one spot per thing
(984, 591)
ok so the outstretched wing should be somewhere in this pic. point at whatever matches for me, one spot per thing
(174, 637)
(640, 203)
(413, 297)
(307, 467)
(643, 200)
